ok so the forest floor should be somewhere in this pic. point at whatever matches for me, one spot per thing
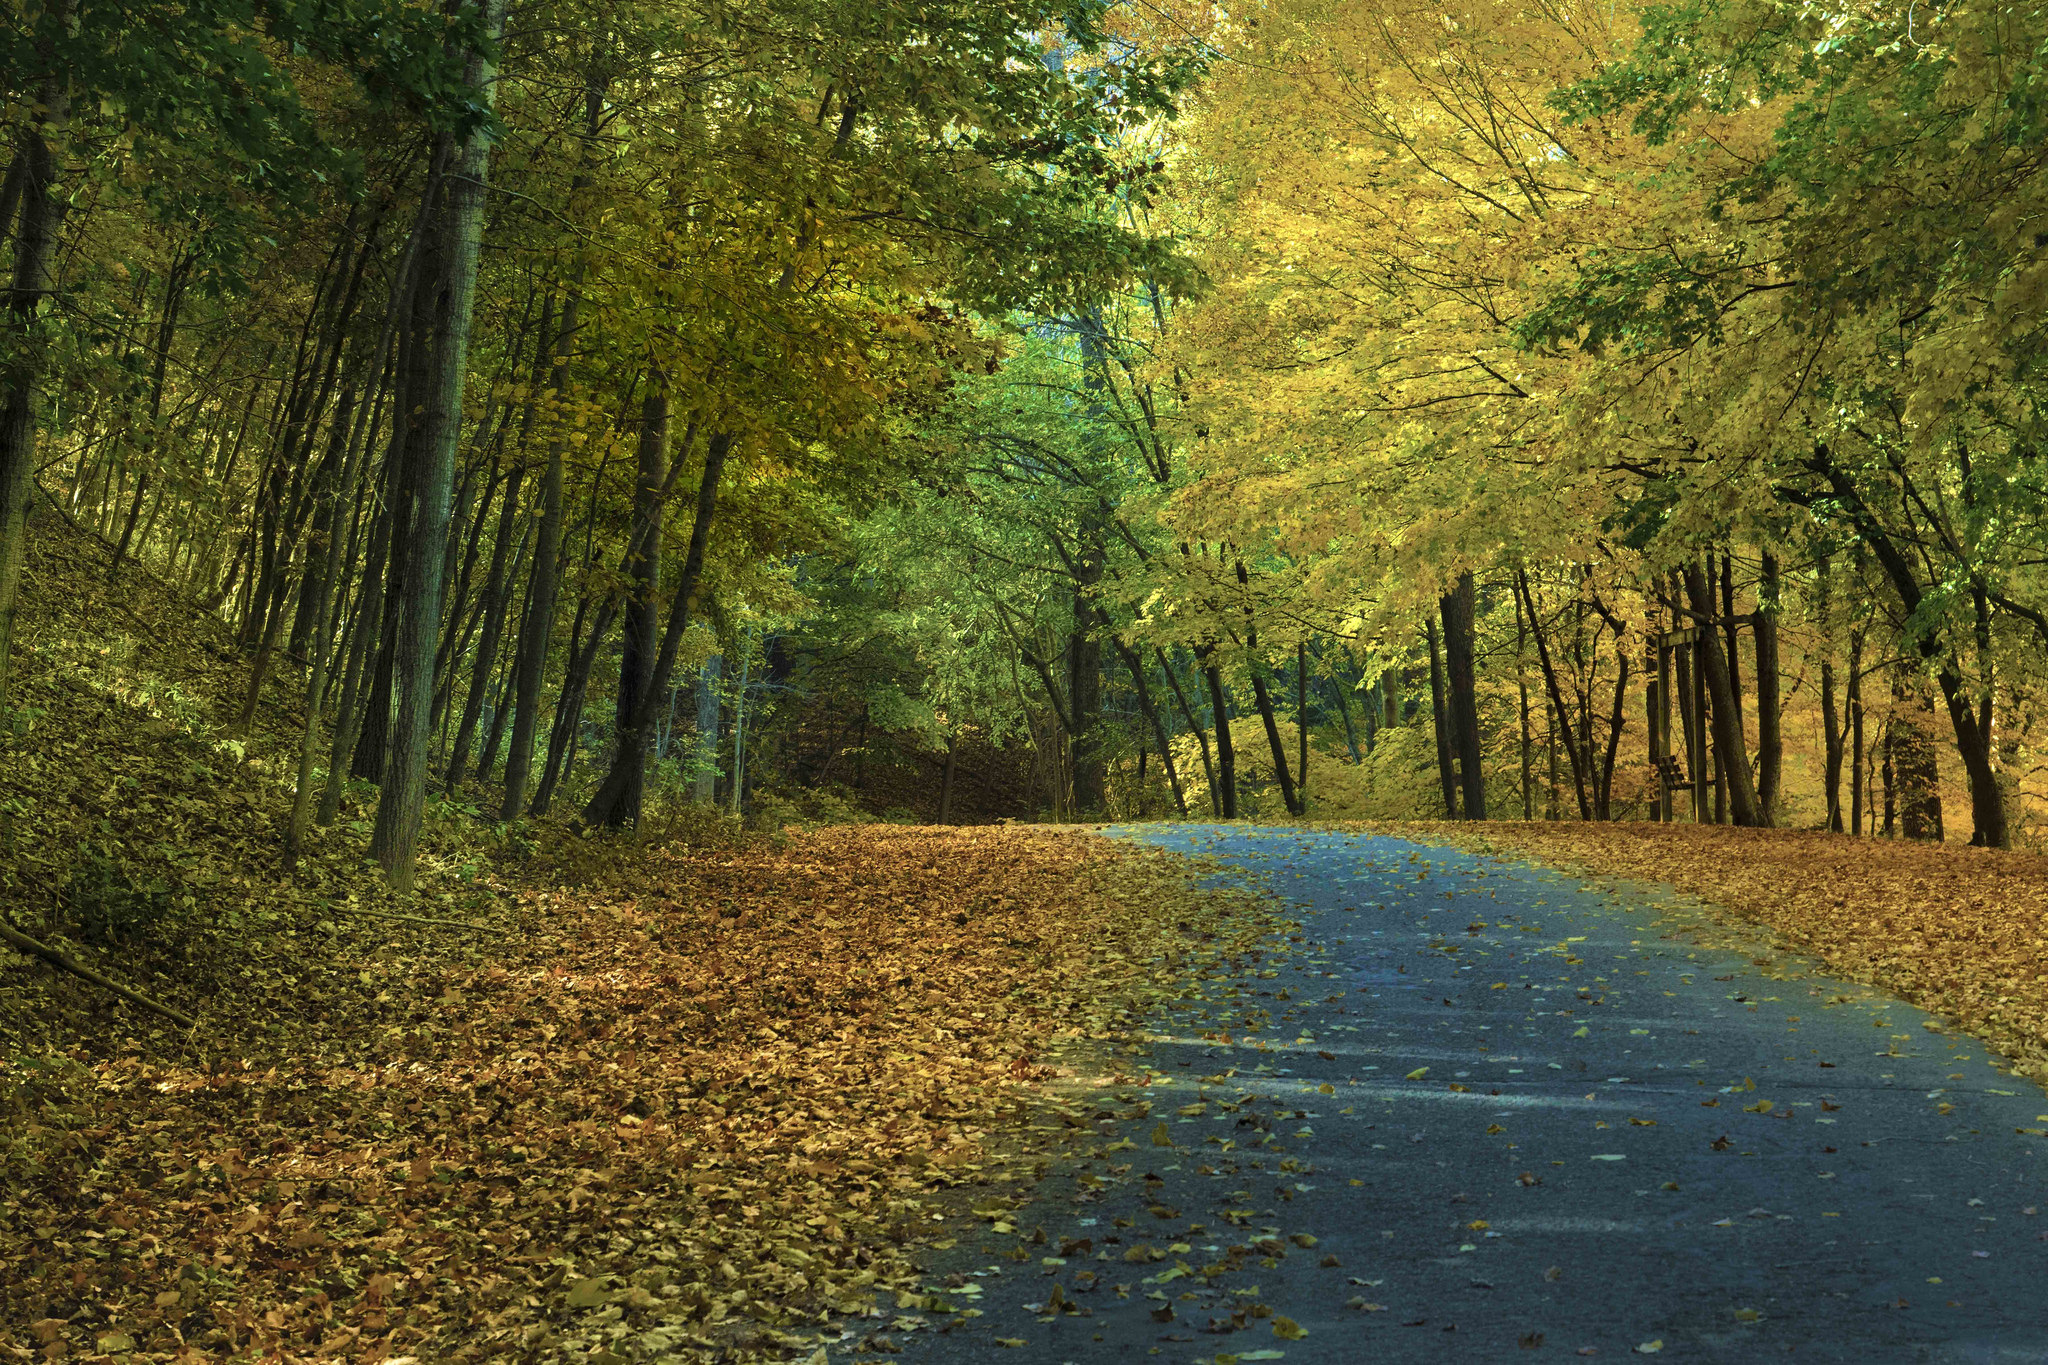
(695, 1105)
(685, 1096)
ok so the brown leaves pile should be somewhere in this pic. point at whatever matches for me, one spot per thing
(1958, 931)
(696, 1112)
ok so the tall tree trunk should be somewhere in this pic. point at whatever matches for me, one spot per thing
(609, 807)
(1338, 690)
(1201, 735)
(1856, 748)
(1084, 697)
(402, 802)
(1136, 664)
(1301, 718)
(35, 248)
(569, 703)
(1522, 695)
(174, 294)
(1987, 799)
(321, 583)
(1732, 759)
(1910, 748)
(1561, 713)
(1458, 607)
(1831, 721)
(1770, 738)
(1446, 755)
(496, 595)
(1226, 749)
(537, 628)
(1264, 698)
(643, 569)
(946, 782)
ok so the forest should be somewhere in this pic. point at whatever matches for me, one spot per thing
(1097, 411)
(520, 464)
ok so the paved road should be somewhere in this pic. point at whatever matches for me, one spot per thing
(1481, 1112)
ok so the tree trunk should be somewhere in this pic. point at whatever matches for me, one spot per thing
(610, 806)
(1987, 800)
(1263, 697)
(1458, 607)
(1136, 664)
(1831, 721)
(1915, 776)
(946, 783)
(1856, 749)
(1732, 759)
(1084, 702)
(1301, 718)
(35, 248)
(1446, 758)
(537, 628)
(1561, 714)
(569, 703)
(496, 595)
(403, 800)
(1522, 694)
(1770, 738)
(1337, 690)
(643, 568)
(1226, 750)
(1201, 735)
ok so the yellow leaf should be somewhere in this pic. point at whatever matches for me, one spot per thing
(1418, 1073)
(1160, 1137)
(1287, 1329)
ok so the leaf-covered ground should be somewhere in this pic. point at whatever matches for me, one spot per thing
(1958, 931)
(684, 1097)
(698, 1108)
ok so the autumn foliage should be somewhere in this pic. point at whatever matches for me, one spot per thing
(701, 1102)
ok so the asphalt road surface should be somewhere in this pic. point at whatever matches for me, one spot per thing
(1481, 1111)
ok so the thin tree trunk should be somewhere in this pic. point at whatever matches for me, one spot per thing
(537, 628)
(1201, 735)
(616, 802)
(1770, 738)
(1263, 697)
(642, 619)
(1136, 664)
(1831, 721)
(1856, 748)
(1337, 690)
(1561, 714)
(1226, 749)
(1731, 759)
(946, 783)
(496, 596)
(1446, 762)
(403, 800)
(1522, 693)
(1301, 717)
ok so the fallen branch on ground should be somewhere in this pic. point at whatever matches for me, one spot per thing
(65, 962)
